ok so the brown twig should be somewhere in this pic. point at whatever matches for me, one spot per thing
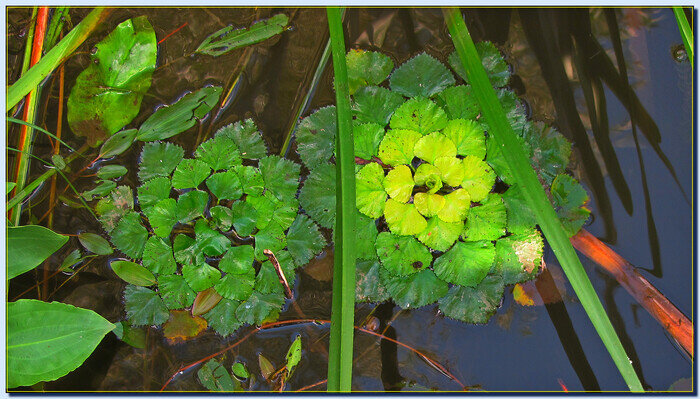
(280, 272)
(312, 386)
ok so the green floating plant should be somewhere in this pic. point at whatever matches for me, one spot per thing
(209, 223)
(433, 225)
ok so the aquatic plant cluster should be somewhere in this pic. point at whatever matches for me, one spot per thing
(439, 217)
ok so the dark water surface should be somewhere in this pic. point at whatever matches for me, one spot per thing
(639, 209)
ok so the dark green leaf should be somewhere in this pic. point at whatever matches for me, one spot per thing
(368, 286)
(259, 307)
(281, 176)
(71, 260)
(366, 237)
(200, 276)
(367, 68)
(492, 60)
(271, 237)
(315, 137)
(413, 291)
(367, 138)
(402, 256)
(191, 205)
(144, 307)
(103, 188)
(190, 173)
(117, 143)
(152, 191)
(458, 102)
(133, 273)
(214, 377)
(133, 336)
(95, 243)
(158, 256)
(317, 195)
(467, 263)
(553, 150)
(222, 318)
(247, 138)
(111, 172)
(473, 304)
(28, 246)
(129, 236)
(228, 38)
(422, 75)
(219, 153)
(238, 260)
(210, 241)
(420, 115)
(264, 206)
(374, 104)
(267, 280)
(304, 240)
(186, 251)
(569, 199)
(162, 216)
(236, 286)
(519, 215)
(113, 207)
(244, 217)
(159, 159)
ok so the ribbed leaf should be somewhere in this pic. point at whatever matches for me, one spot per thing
(422, 75)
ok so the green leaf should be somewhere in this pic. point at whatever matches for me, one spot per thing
(428, 204)
(420, 115)
(259, 307)
(519, 257)
(9, 186)
(367, 138)
(403, 219)
(368, 287)
(221, 218)
(219, 153)
(486, 222)
(111, 172)
(317, 195)
(244, 216)
(367, 68)
(153, 191)
(479, 178)
(186, 250)
(492, 60)
(133, 273)
(228, 38)
(191, 205)
(366, 236)
(468, 137)
(315, 137)
(159, 159)
(132, 336)
(251, 179)
(117, 143)
(94, 243)
(418, 289)
(422, 75)
(456, 206)
(238, 260)
(267, 280)
(68, 335)
(71, 260)
(519, 215)
(434, 145)
(495, 158)
(402, 256)
(397, 147)
(552, 150)
(458, 102)
(370, 191)
(225, 185)
(473, 305)
(214, 377)
(113, 207)
(304, 240)
(158, 256)
(144, 307)
(107, 94)
(374, 104)
(264, 206)
(236, 287)
(102, 189)
(569, 199)
(190, 173)
(238, 369)
(440, 235)
(210, 241)
(281, 176)
(171, 120)
(284, 212)
(271, 237)
(200, 276)
(222, 318)
(467, 263)
(162, 216)
(426, 172)
(451, 170)
(515, 110)
(247, 138)
(129, 236)
(398, 183)
(205, 301)
(293, 355)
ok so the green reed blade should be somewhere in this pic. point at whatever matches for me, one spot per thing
(534, 194)
(35, 127)
(343, 304)
(686, 33)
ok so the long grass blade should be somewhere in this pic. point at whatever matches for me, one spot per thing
(48, 63)
(343, 304)
(535, 195)
(39, 128)
(686, 33)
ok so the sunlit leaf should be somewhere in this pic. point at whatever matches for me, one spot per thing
(210, 241)
(479, 178)
(403, 219)
(133, 273)
(569, 199)
(247, 138)
(304, 240)
(259, 307)
(243, 219)
(159, 159)
(191, 205)
(367, 138)
(370, 191)
(467, 263)
(317, 195)
(221, 218)
(398, 183)
(175, 292)
(413, 291)
(428, 204)
(402, 256)
(293, 355)
(251, 179)
(440, 235)
(420, 115)
(397, 147)
(117, 143)
(182, 326)
(367, 68)
(486, 222)
(144, 307)
(228, 38)
(225, 185)
(111, 172)
(468, 136)
(451, 170)
(434, 145)
(456, 206)
(200, 276)
(238, 260)
(190, 173)
(239, 370)
(473, 304)
(158, 256)
(368, 286)
(129, 236)
(315, 137)
(113, 207)
(519, 257)
(162, 216)
(422, 75)
(492, 60)
(94, 243)
(426, 172)
(281, 176)
(458, 102)
(374, 104)
(28, 246)
(222, 318)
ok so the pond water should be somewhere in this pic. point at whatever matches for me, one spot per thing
(638, 208)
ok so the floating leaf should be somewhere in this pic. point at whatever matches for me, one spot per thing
(236, 287)
(190, 173)
(467, 263)
(519, 257)
(117, 143)
(426, 172)
(492, 60)
(210, 241)
(428, 204)
(459, 102)
(133, 273)
(403, 219)
(293, 355)
(159, 159)
(214, 377)
(315, 137)
(551, 150)
(175, 291)
(247, 138)
(370, 191)
(225, 185)
(264, 206)
(366, 235)
(266, 368)
(107, 94)
(304, 240)
(238, 260)
(418, 289)
(368, 286)
(267, 281)
(244, 216)
(158, 256)
(144, 307)
(398, 183)
(111, 172)
(486, 222)
(94, 243)
(251, 179)
(456, 206)
(498, 162)
(228, 38)
(221, 218)
(468, 136)
(367, 68)
(102, 189)
(367, 138)
(205, 301)
(397, 147)
(162, 216)
(191, 205)
(317, 195)
(113, 207)
(182, 326)
(129, 236)
(440, 235)
(135, 337)
(222, 318)
(272, 238)
(67, 336)
(281, 176)
(259, 307)
(374, 104)
(402, 256)
(28, 246)
(219, 153)
(238, 369)
(519, 215)
(186, 250)
(451, 170)
(153, 191)
(473, 304)
(569, 199)
(174, 119)
(200, 276)
(420, 115)
(479, 178)
(422, 75)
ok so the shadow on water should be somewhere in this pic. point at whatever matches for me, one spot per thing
(576, 68)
